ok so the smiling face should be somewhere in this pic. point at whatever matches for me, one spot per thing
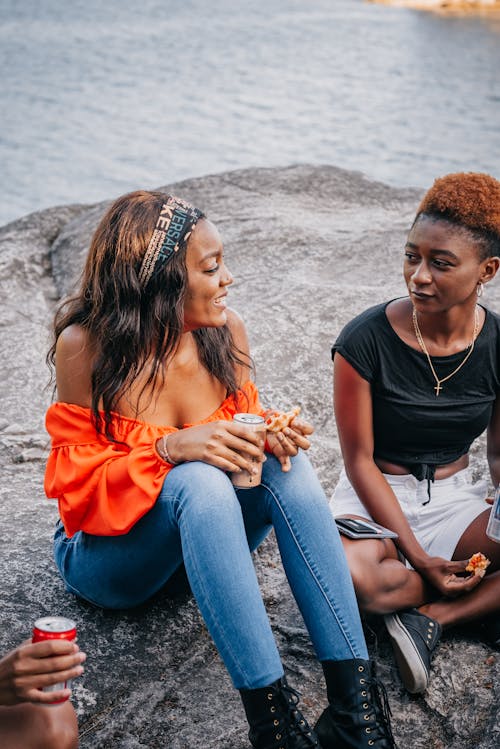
(442, 265)
(208, 279)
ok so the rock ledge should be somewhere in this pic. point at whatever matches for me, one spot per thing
(309, 248)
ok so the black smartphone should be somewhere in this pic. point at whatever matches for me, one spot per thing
(363, 529)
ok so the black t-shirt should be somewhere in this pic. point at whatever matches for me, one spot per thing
(413, 427)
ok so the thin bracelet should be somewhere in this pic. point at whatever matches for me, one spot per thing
(164, 452)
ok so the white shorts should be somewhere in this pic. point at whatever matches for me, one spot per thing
(437, 525)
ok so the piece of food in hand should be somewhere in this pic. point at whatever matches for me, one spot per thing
(278, 420)
(477, 564)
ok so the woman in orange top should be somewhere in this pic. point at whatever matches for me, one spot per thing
(151, 366)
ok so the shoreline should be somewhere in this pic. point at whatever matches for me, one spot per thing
(447, 7)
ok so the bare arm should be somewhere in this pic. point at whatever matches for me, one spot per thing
(354, 415)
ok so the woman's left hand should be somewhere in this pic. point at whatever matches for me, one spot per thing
(287, 442)
(445, 576)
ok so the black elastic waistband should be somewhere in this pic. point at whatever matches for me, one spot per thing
(424, 472)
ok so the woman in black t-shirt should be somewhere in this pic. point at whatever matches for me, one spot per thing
(415, 382)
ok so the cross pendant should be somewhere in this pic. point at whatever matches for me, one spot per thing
(438, 388)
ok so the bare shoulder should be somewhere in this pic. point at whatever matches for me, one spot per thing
(399, 314)
(397, 310)
(72, 339)
(74, 366)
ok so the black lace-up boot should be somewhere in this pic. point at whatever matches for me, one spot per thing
(274, 720)
(358, 716)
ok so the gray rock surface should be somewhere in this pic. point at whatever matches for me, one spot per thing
(309, 248)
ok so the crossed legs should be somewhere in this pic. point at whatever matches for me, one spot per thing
(384, 584)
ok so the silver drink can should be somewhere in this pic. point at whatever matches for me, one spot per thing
(255, 423)
(493, 527)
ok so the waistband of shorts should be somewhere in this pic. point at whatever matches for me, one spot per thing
(397, 479)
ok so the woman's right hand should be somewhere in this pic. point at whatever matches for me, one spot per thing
(224, 444)
(32, 666)
(444, 576)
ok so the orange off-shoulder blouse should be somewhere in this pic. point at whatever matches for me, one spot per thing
(104, 487)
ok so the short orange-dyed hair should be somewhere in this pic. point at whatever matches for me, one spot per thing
(470, 200)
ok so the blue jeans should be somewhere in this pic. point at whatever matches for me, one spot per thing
(200, 518)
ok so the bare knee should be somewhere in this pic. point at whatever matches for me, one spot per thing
(367, 586)
(29, 726)
(58, 727)
(377, 575)
(62, 727)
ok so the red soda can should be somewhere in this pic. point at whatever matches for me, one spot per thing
(55, 628)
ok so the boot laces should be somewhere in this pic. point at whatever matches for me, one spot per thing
(296, 724)
(382, 711)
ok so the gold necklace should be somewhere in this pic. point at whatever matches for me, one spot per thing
(418, 335)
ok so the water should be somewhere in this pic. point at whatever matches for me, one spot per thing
(97, 99)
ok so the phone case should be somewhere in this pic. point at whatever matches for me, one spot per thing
(373, 530)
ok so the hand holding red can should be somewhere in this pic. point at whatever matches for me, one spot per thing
(53, 631)
(29, 669)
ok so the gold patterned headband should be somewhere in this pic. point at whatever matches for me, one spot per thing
(175, 223)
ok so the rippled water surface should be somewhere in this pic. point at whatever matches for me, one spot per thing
(99, 98)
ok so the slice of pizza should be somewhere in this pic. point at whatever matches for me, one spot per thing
(276, 421)
(477, 564)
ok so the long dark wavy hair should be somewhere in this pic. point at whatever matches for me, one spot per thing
(130, 327)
